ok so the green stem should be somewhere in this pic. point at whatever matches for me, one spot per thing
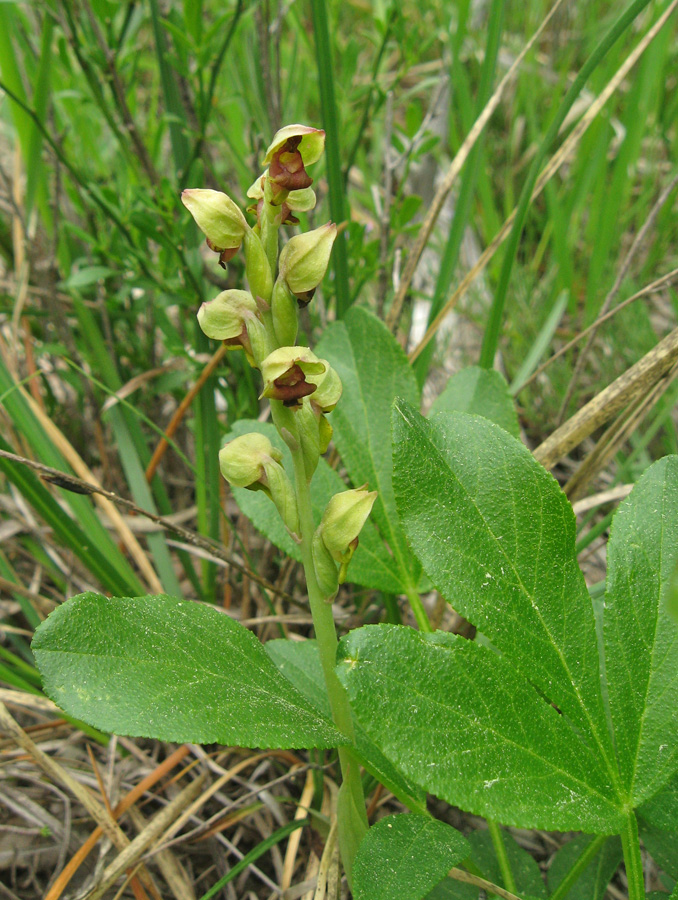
(578, 868)
(502, 857)
(326, 637)
(633, 862)
(420, 613)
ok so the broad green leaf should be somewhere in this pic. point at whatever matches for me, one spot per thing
(593, 881)
(174, 670)
(404, 857)
(496, 535)
(372, 565)
(374, 371)
(662, 847)
(299, 662)
(641, 640)
(483, 392)
(459, 720)
(526, 872)
(662, 809)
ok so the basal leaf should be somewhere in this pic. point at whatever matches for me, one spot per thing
(482, 392)
(174, 670)
(496, 535)
(404, 857)
(459, 720)
(662, 847)
(372, 565)
(374, 370)
(526, 872)
(593, 881)
(662, 808)
(299, 662)
(641, 639)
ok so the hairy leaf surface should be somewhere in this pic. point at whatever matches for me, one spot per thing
(496, 535)
(174, 670)
(641, 639)
(403, 857)
(458, 719)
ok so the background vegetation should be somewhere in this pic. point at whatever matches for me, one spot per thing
(107, 110)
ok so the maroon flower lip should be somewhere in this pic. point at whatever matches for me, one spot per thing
(287, 170)
(292, 387)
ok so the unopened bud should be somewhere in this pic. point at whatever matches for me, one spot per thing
(284, 372)
(218, 217)
(251, 461)
(342, 522)
(243, 460)
(304, 260)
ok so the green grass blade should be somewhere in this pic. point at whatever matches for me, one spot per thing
(541, 343)
(450, 255)
(254, 855)
(177, 122)
(27, 132)
(87, 547)
(335, 178)
(35, 173)
(493, 328)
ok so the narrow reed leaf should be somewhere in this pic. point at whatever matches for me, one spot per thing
(335, 177)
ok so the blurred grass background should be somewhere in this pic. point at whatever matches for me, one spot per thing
(108, 110)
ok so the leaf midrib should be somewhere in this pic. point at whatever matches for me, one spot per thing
(389, 675)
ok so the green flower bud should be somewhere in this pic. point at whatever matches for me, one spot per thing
(233, 317)
(285, 314)
(218, 217)
(342, 522)
(284, 372)
(243, 460)
(257, 268)
(224, 317)
(251, 461)
(304, 260)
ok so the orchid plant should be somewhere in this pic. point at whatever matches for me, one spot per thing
(560, 714)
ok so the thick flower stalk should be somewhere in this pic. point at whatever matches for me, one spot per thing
(302, 389)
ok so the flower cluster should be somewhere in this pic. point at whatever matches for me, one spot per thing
(263, 321)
